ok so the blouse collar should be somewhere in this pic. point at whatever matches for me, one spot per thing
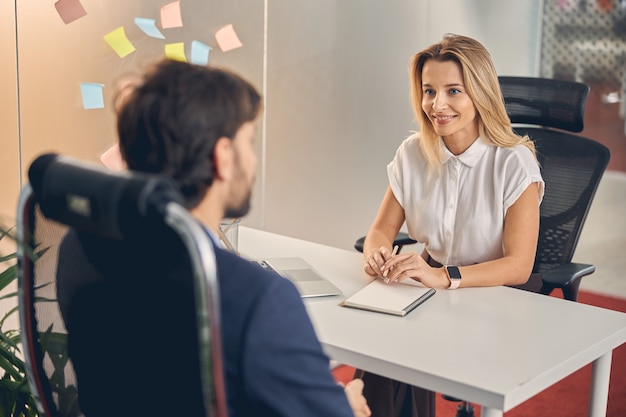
(470, 157)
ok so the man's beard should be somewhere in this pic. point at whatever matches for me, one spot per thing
(239, 211)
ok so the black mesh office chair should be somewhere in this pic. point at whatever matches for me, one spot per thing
(571, 165)
(133, 277)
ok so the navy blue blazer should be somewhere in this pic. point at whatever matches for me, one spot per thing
(274, 363)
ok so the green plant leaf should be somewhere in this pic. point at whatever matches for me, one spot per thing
(16, 399)
(10, 338)
(8, 276)
(10, 369)
(8, 257)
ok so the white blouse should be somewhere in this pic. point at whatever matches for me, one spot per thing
(458, 213)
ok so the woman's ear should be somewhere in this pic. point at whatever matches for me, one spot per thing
(223, 159)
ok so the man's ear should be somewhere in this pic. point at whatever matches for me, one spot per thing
(223, 157)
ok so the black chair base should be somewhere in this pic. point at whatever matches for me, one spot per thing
(465, 409)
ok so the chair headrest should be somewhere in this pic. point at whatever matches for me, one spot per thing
(92, 199)
(545, 102)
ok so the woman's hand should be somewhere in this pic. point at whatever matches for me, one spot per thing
(412, 265)
(375, 261)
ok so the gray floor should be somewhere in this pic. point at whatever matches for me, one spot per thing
(603, 239)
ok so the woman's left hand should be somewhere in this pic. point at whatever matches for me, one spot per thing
(412, 265)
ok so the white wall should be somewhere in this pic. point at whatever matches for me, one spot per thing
(338, 101)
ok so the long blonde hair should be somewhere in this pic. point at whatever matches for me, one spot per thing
(481, 82)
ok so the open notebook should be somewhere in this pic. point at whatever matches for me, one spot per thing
(397, 299)
(307, 280)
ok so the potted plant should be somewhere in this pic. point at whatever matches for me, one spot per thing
(16, 399)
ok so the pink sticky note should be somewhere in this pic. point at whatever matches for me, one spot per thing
(112, 159)
(227, 38)
(170, 15)
(70, 10)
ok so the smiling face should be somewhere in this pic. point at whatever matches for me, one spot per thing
(448, 106)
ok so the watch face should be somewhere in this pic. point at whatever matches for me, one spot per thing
(453, 272)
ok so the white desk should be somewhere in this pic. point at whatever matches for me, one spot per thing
(496, 346)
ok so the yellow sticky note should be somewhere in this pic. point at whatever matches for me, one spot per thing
(170, 15)
(176, 51)
(119, 42)
(227, 39)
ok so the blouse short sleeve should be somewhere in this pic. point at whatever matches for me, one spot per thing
(521, 170)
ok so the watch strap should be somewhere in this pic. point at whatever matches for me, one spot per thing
(454, 276)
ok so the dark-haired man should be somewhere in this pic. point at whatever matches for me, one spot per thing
(197, 124)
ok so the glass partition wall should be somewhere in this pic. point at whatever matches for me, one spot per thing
(333, 74)
(9, 145)
(74, 54)
(585, 40)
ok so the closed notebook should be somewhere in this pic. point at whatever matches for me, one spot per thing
(307, 280)
(398, 299)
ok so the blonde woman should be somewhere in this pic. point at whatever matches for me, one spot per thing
(466, 185)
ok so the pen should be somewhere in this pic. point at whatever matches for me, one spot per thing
(225, 240)
(393, 253)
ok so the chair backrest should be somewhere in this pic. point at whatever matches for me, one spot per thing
(571, 165)
(118, 295)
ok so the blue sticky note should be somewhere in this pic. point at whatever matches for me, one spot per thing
(92, 95)
(148, 26)
(199, 53)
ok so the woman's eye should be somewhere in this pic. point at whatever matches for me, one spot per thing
(454, 91)
(429, 91)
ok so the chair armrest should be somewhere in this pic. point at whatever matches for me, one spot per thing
(400, 240)
(564, 275)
